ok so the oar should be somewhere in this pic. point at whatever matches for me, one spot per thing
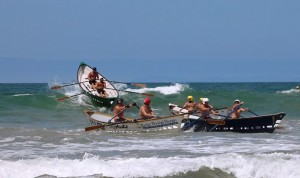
(60, 86)
(141, 85)
(67, 97)
(252, 112)
(145, 94)
(94, 127)
(109, 123)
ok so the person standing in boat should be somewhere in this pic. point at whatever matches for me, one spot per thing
(190, 105)
(146, 111)
(99, 86)
(236, 109)
(93, 77)
(119, 110)
(205, 108)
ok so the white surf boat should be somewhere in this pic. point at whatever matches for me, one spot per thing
(104, 122)
(112, 92)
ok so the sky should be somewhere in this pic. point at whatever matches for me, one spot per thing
(42, 41)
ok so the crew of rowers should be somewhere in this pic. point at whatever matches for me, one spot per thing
(97, 85)
(145, 111)
(204, 108)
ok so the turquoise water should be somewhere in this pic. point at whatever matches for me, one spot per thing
(27, 102)
(41, 136)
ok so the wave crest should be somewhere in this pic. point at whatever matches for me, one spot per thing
(166, 90)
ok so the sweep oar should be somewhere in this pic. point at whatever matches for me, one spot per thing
(67, 97)
(60, 86)
(145, 94)
(141, 85)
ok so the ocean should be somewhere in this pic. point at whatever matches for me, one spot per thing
(45, 138)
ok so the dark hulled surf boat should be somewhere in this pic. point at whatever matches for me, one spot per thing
(223, 123)
(112, 92)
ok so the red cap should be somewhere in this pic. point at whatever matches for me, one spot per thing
(147, 101)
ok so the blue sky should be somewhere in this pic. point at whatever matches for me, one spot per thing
(150, 41)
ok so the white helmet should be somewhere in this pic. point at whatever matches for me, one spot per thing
(237, 100)
(205, 100)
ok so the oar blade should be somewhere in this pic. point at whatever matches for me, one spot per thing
(56, 87)
(216, 122)
(63, 98)
(139, 85)
(94, 127)
(147, 94)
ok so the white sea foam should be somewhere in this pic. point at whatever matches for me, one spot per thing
(120, 86)
(289, 91)
(5, 140)
(240, 165)
(166, 90)
(25, 94)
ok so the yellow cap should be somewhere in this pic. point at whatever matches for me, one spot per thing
(190, 97)
(200, 99)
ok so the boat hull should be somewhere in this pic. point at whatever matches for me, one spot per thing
(82, 74)
(162, 124)
(256, 124)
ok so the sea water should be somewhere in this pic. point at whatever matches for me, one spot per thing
(43, 137)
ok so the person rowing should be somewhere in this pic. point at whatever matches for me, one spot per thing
(236, 109)
(190, 105)
(99, 86)
(205, 108)
(119, 110)
(93, 76)
(146, 111)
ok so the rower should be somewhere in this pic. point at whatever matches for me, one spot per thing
(93, 76)
(190, 105)
(119, 110)
(146, 111)
(99, 86)
(236, 109)
(205, 109)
